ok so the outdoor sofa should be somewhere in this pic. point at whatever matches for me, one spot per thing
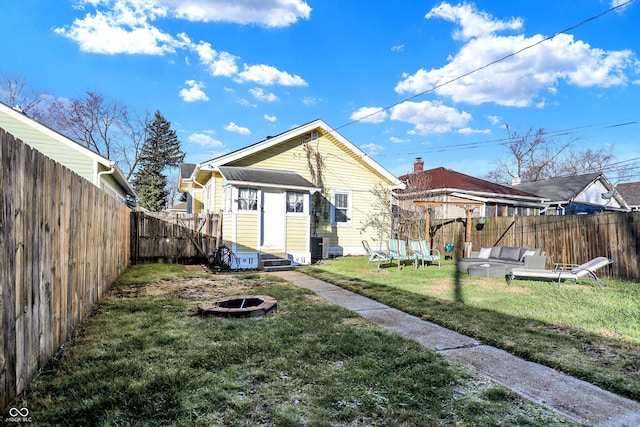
(509, 256)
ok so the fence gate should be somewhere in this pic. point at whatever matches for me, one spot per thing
(173, 237)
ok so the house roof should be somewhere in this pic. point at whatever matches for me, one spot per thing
(560, 189)
(53, 135)
(630, 192)
(443, 178)
(186, 169)
(265, 177)
(272, 141)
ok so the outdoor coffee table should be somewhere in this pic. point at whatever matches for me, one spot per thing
(487, 270)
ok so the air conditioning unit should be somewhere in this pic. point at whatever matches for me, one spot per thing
(325, 247)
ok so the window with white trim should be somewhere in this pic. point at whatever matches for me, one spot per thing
(247, 199)
(295, 202)
(227, 199)
(341, 208)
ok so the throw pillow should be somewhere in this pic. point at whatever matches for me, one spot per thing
(528, 252)
(484, 253)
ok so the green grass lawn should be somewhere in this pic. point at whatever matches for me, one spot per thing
(145, 357)
(574, 327)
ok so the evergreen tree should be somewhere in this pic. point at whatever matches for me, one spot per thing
(161, 150)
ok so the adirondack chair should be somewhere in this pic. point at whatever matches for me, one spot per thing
(398, 251)
(424, 254)
(563, 272)
(379, 257)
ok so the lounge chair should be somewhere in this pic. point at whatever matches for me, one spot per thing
(398, 251)
(424, 254)
(379, 257)
(563, 272)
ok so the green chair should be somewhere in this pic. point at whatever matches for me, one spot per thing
(398, 251)
(424, 254)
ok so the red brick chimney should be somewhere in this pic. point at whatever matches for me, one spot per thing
(418, 165)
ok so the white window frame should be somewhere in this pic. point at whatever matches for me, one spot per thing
(349, 207)
(305, 203)
(252, 190)
(227, 198)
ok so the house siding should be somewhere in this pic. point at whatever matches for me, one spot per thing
(297, 234)
(246, 228)
(343, 171)
(63, 154)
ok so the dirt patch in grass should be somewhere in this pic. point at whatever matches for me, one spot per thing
(191, 288)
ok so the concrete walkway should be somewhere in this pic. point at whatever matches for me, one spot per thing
(577, 399)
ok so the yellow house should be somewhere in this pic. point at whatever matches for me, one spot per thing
(294, 194)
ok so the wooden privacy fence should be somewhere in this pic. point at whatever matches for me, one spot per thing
(62, 243)
(570, 239)
(173, 237)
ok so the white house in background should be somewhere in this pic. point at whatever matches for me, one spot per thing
(579, 194)
(97, 169)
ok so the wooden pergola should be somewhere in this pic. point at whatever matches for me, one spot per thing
(468, 207)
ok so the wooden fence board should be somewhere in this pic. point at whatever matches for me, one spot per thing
(62, 242)
(569, 239)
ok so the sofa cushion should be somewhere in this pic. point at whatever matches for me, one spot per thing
(484, 253)
(509, 253)
(495, 252)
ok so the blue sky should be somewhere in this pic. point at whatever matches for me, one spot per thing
(228, 73)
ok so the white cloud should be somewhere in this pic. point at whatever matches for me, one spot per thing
(518, 80)
(204, 140)
(429, 118)
(272, 13)
(472, 22)
(261, 95)
(372, 149)
(494, 120)
(397, 48)
(194, 92)
(232, 127)
(270, 118)
(268, 75)
(310, 100)
(396, 140)
(369, 115)
(471, 131)
(125, 28)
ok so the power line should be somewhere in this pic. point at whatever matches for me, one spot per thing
(490, 64)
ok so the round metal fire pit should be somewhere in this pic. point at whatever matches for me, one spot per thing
(239, 306)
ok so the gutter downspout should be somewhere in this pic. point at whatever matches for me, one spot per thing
(112, 165)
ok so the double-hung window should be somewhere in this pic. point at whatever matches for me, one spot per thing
(247, 199)
(295, 202)
(341, 208)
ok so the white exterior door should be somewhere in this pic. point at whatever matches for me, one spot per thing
(273, 220)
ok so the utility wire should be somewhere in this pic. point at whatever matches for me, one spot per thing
(490, 64)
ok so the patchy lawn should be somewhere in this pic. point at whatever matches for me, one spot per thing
(145, 357)
(576, 328)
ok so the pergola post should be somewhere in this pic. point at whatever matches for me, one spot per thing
(468, 207)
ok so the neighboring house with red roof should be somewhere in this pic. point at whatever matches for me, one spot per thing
(630, 192)
(455, 189)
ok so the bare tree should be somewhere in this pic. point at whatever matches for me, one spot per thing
(15, 92)
(94, 121)
(136, 130)
(533, 157)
